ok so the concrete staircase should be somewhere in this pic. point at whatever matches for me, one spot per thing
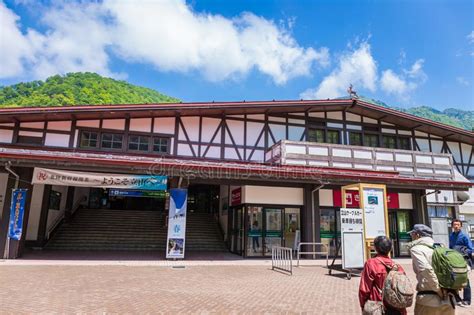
(103, 229)
(129, 230)
(202, 233)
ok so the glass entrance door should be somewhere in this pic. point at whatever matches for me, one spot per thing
(273, 229)
(392, 223)
(255, 231)
(292, 224)
(400, 223)
(237, 231)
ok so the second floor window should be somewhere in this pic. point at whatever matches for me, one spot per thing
(111, 141)
(371, 140)
(404, 143)
(89, 139)
(355, 138)
(316, 135)
(389, 142)
(333, 136)
(160, 145)
(138, 143)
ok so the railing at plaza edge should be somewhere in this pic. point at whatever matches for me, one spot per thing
(405, 162)
(324, 250)
(282, 259)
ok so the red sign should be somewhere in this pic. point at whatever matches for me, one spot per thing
(352, 199)
(236, 197)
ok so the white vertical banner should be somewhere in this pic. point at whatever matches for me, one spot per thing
(374, 211)
(177, 223)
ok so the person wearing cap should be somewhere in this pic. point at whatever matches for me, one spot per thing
(431, 299)
(460, 242)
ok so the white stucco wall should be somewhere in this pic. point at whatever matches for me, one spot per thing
(272, 195)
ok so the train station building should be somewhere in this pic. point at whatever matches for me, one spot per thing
(258, 174)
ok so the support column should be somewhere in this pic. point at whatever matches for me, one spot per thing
(421, 208)
(16, 247)
(306, 215)
(43, 221)
(5, 217)
(316, 217)
(69, 203)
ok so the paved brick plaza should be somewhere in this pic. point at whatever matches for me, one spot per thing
(145, 288)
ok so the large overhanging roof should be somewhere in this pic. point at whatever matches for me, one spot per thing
(356, 106)
(215, 170)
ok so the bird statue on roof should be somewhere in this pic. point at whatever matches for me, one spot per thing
(351, 92)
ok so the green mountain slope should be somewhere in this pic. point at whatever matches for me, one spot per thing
(78, 89)
(451, 116)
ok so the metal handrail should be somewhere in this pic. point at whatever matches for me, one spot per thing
(325, 246)
(282, 259)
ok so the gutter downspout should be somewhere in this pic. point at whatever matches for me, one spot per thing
(6, 252)
(312, 213)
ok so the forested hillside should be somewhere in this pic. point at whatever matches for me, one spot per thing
(78, 89)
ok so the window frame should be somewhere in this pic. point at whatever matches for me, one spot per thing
(138, 149)
(102, 133)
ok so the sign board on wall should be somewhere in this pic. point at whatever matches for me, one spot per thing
(177, 223)
(236, 197)
(352, 236)
(98, 180)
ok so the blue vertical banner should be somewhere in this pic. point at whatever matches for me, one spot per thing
(177, 223)
(17, 211)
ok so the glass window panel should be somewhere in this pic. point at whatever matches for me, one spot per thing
(355, 138)
(404, 143)
(88, 139)
(333, 136)
(254, 235)
(111, 141)
(160, 145)
(442, 212)
(316, 135)
(431, 211)
(389, 142)
(138, 143)
(371, 140)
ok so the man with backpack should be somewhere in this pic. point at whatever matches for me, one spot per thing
(384, 287)
(440, 273)
(461, 243)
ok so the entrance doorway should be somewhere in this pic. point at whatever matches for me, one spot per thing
(126, 199)
(256, 229)
(399, 224)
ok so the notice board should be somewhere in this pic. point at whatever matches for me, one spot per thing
(352, 238)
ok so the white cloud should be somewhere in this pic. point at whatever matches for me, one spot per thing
(402, 84)
(356, 67)
(14, 46)
(169, 35)
(470, 37)
(463, 81)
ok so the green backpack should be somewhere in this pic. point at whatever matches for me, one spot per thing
(450, 268)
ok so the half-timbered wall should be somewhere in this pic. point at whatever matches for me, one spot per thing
(234, 137)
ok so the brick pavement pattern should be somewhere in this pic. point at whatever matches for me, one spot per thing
(111, 289)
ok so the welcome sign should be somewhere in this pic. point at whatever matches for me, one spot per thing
(98, 180)
(177, 223)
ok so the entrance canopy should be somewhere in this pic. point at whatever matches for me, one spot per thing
(216, 169)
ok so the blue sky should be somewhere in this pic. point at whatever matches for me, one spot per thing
(406, 53)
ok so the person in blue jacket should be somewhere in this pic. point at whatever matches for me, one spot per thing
(460, 242)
